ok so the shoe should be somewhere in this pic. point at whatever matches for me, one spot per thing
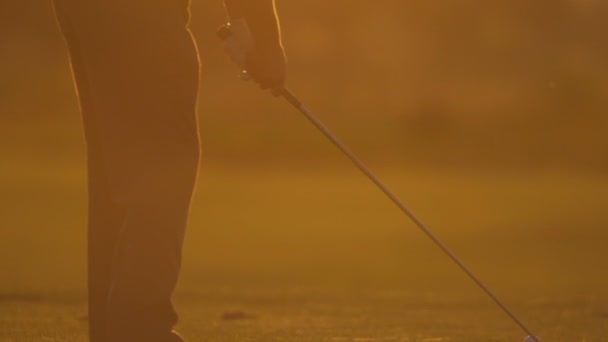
(175, 337)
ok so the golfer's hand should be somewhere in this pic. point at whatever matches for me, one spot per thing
(264, 61)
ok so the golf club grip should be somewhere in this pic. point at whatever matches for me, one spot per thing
(223, 32)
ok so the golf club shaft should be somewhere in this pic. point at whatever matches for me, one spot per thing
(291, 98)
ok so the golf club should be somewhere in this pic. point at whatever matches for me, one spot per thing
(293, 100)
(224, 33)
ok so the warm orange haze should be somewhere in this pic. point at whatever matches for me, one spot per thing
(487, 119)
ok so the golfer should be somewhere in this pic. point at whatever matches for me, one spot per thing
(136, 71)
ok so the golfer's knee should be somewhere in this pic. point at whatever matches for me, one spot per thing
(158, 186)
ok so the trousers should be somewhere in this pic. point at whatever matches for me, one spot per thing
(136, 71)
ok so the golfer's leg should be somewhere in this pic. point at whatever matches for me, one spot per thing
(158, 162)
(137, 75)
(105, 217)
(148, 264)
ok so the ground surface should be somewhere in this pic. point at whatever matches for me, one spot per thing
(293, 254)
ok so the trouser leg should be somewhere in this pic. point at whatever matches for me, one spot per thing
(105, 216)
(105, 219)
(137, 82)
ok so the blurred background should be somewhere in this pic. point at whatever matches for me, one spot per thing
(502, 84)
(488, 118)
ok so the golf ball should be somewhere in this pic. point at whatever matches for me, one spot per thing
(530, 339)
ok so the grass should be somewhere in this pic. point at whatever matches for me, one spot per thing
(288, 253)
